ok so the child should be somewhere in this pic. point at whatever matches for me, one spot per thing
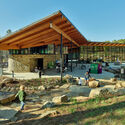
(21, 95)
(80, 81)
(87, 76)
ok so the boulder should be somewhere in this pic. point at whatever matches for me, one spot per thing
(50, 87)
(60, 99)
(93, 84)
(48, 104)
(41, 88)
(120, 84)
(81, 98)
(67, 76)
(70, 79)
(8, 80)
(107, 91)
(76, 90)
(65, 86)
(113, 79)
(92, 79)
(5, 98)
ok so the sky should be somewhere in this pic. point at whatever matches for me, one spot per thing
(97, 20)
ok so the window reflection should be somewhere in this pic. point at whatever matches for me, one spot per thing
(46, 49)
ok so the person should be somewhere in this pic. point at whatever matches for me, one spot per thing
(80, 81)
(21, 95)
(36, 69)
(40, 72)
(87, 77)
(106, 64)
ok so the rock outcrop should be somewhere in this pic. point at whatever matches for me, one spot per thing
(60, 99)
(93, 84)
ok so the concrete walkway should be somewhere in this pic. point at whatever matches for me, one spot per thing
(77, 72)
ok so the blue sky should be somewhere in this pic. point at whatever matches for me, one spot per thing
(97, 20)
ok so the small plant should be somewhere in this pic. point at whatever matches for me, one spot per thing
(72, 110)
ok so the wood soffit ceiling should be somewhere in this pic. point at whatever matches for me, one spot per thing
(102, 44)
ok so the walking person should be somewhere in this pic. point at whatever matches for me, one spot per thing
(87, 77)
(21, 95)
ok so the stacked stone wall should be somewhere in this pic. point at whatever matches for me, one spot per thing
(27, 63)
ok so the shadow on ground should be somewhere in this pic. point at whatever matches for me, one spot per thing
(72, 118)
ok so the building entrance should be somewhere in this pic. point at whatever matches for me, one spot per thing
(40, 63)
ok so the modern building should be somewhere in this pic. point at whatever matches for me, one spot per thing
(42, 43)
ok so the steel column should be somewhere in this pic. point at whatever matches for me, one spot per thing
(61, 62)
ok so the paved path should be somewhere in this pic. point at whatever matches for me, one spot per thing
(52, 73)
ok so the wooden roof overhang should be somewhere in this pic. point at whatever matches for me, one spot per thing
(43, 32)
(102, 44)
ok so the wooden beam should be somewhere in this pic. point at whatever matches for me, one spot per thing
(53, 26)
(41, 38)
(32, 26)
(35, 35)
(31, 31)
(37, 41)
(6, 47)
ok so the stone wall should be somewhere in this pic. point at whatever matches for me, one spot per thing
(27, 63)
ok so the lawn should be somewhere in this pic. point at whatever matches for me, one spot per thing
(98, 111)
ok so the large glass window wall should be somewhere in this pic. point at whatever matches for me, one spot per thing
(107, 53)
(46, 49)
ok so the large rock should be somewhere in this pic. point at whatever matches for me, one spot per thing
(48, 104)
(60, 99)
(7, 113)
(70, 79)
(113, 79)
(67, 76)
(107, 91)
(93, 84)
(41, 87)
(81, 98)
(120, 84)
(65, 86)
(6, 97)
(8, 80)
(76, 90)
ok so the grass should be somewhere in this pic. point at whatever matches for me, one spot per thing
(98, 111)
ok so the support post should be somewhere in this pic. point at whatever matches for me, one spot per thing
(61, 45)
(71, 56)
(77, 56)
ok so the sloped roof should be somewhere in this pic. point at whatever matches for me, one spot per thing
(43, 32)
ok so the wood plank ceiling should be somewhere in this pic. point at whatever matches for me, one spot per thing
(102, 44)
(43, 32)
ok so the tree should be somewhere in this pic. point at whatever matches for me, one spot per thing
(8, 31)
